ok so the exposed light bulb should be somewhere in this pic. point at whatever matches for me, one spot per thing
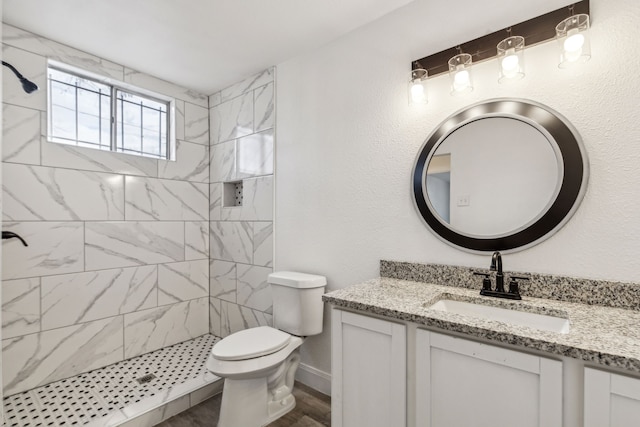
(573, 45)
(461, 81)
(573, 38)
(510, 65)
(417, 94)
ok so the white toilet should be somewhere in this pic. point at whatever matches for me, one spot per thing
(259, 364)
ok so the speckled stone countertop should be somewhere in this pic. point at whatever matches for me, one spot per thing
(603, 335)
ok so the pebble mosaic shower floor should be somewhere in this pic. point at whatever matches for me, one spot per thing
(92, 396)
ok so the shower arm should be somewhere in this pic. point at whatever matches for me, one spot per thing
(11, 235)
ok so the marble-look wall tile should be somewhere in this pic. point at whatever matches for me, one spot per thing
(215, 325)
(69, 299)
(222, 283)
(250, 83)
(214, 99)
(254, 155)
(20, 307)
(183, 281)
(54, 248)
(235, 318)
(231, 320)
(191, 163)
(257, 201)
(215, 201)
(232, 241)
(196, 124)
(161, 86)
(35, 193)
(128, 244)
(253, 318)
(179, 107)
(47, 48)
(71, 157)
(31, 66)
(149, 330)
(253, 289)
(20, 135)
(231, 119)
(165, 200)
(264, 108)
(33, 360)
(263, 244)
(196, 240)
(223, 162)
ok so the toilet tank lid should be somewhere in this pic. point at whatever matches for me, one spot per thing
(297, 280)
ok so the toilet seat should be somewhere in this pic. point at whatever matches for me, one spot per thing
(252, 368)
(251, 343)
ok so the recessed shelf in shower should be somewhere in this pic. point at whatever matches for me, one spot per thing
(232, 194)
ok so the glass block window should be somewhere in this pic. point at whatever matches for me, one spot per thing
(89, 113)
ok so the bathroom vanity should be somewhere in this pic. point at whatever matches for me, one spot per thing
(405, 353)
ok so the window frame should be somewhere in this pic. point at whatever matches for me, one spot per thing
(115, 86)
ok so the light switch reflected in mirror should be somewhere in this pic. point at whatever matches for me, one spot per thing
(489, 183)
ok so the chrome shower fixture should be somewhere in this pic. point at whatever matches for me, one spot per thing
(27, 85)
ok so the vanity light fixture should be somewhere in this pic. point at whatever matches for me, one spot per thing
(418, 86)
(511, 58)
(573, 38)
(571, 33)
(460, 72)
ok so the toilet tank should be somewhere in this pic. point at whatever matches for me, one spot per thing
(297, 302)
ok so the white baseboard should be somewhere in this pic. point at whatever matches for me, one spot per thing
(314, 378)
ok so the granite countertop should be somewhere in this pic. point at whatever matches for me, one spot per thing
(602, 335)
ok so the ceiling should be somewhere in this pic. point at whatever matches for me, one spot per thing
(204, 45)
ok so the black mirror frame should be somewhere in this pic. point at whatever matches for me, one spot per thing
(572, 189)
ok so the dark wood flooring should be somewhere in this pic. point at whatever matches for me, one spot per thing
(313, 409)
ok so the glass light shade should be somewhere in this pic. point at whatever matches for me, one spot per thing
(511, 59)
(460, 73)
(573, 38)
(417, 89)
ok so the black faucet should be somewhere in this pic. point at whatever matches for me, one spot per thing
(496, 265)
(499, 292)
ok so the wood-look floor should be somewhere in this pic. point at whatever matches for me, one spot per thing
(313, 409)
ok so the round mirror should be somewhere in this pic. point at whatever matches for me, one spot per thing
(500, 175)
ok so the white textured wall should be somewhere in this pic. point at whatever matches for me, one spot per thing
(347, 142)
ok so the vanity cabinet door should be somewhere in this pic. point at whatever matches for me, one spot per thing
(368, 364)
(610, 400)
(466, 383)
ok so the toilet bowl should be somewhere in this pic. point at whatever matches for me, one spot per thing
(259, 364)
(257, 390)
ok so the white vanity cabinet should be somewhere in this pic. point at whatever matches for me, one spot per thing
(369, 375)
(610, 400)
(466, 383)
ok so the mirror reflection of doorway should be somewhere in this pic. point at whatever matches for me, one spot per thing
(439, 185)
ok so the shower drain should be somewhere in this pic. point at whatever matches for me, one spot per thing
(146, 379)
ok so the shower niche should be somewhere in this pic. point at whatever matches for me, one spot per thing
(232, 195)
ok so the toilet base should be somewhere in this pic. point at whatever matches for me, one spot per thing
(256, 402)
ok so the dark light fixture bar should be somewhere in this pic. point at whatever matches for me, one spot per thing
(534, 31)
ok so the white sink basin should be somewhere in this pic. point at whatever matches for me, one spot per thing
(514, 317)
